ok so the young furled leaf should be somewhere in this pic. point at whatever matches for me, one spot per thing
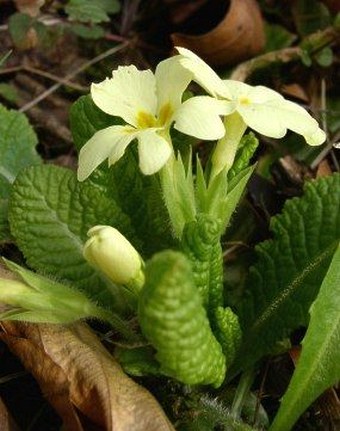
(174, 320)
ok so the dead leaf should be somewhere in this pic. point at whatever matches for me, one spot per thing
(29, 7)
(296, 91)
(6, 421)
(324, 169)
(238, 36)
(82, 380)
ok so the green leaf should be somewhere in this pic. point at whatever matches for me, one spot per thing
(173, 319)
(17, 149)
(88, 32)
(318, 367)
(19, 25)
(94, 11)
(50, 213)
(310, 16)
(86, 119)
(325, 57)
(8, 92)
(289, 270)
(277, 37)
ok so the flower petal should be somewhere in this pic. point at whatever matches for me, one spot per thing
(317, 138)
(153, 150)
(200, 117)
(261, 94)
(273, 117)
(110, 142)
(203, 74)
(171, 80)
(237, 88)
(127, 93)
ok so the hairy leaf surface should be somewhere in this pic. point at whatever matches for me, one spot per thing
(290, 268)
(17, 149)
(50, 213)
(319, 364)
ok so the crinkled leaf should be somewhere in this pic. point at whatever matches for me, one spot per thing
(141, 198)
(50, 213)
(17, 149)
(82, 381)
(318, 367)
(289, 270)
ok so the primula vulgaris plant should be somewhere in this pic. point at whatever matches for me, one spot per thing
(154, 192)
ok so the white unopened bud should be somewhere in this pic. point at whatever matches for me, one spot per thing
(109, 251)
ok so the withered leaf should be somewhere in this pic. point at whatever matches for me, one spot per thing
(238, 36)
(82, 381)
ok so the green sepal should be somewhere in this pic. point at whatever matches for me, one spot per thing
(220, 197)
(40, 299)
(247, 148)
(173, 319)
(178, 193)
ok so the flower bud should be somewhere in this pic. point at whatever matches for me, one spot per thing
(31, 297)
(109, 251)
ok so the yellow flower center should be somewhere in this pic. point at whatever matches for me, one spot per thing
(165, 114)
(146, 120)
(244, 100)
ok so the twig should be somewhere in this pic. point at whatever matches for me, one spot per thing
(42, 73)
(71, 75)
(313, 43)
(329, 147)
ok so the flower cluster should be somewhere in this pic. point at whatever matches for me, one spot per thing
(150, 103)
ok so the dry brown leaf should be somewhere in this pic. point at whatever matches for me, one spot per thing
(239, 35)
(6, 421)
(324, 169)
(29, 7)
(77, 374)
(296, 91)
